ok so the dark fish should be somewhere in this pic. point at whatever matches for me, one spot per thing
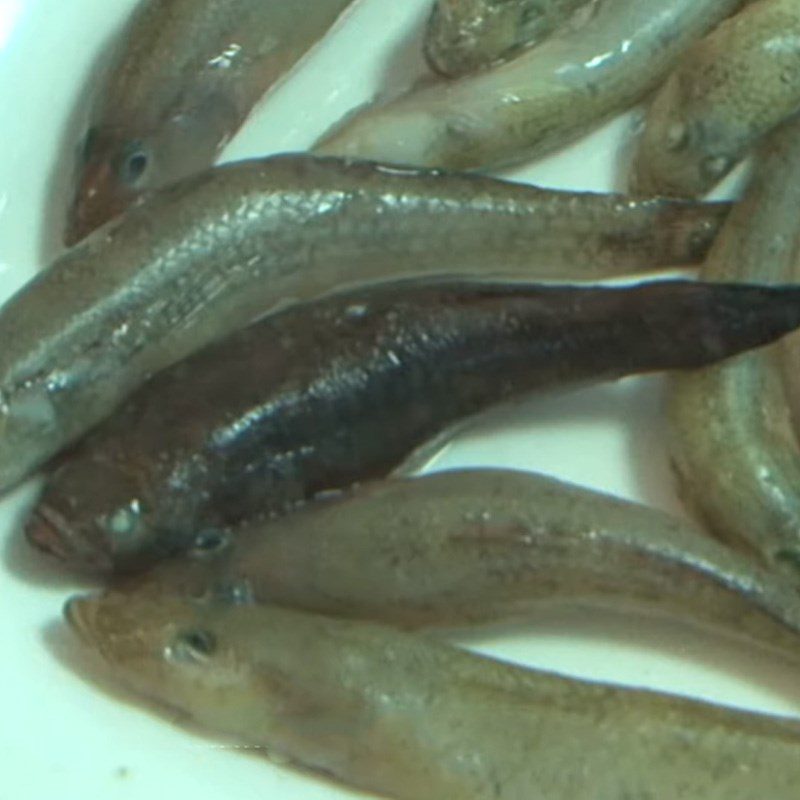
(323, 396)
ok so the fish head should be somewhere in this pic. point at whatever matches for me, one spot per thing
(117, 165)
(679, 153)
(179, 653)
(95, 515)
(114, 169)
(203, 572)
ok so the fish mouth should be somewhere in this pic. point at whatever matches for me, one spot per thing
(48, 531)
(79, 612)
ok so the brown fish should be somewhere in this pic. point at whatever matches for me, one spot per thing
(733, 447)
(184, 79)
(731, 88)
(405, 717)
(485, 546)
(465, 36)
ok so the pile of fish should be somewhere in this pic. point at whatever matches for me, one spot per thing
(232, 374)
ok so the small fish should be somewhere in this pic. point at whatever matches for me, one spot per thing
(465, 36)
(484, 546)
(730, 89)
(405, 717)
(327, 395)
(544, 99)
(185, 78)
(733, 447)
(206, 255)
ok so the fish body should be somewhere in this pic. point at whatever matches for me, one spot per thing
(540, 101)
(465, 36)
(205, 256)
(183, 81)
(405, 717)
(485, 546)
(732, 443)
(730, 89)
(326, 395)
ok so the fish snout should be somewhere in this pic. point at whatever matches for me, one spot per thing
(50, 533)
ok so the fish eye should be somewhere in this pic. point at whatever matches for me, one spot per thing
(209, 543)
(134, 164)
(192, 646)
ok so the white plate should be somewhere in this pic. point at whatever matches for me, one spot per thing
(62, 737)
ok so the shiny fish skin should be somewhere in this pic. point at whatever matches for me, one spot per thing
(206, 255)
(485, 546)
(730, 89)
(541, 100)
(323, 396)
(185, 78)
(404, 717)
(732, 443)
(465, 36)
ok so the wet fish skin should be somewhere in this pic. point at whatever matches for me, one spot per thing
(404, 717)
(206, 255)
(731, 88)
(731, 438)
(540, 101)
(484, 546)
(186, 76)
(327, 395)
(464, 36)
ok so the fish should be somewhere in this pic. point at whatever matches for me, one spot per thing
(730, 434)
(730, 89)
(484, 546)
(185, 76)
(324, 396)
(541, 101)
(207, 255)
(465, 36)
(402, 716)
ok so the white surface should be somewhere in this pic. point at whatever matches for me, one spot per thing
(60, 736)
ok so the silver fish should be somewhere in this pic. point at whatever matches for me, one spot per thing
(207, 255)
(540, 101)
